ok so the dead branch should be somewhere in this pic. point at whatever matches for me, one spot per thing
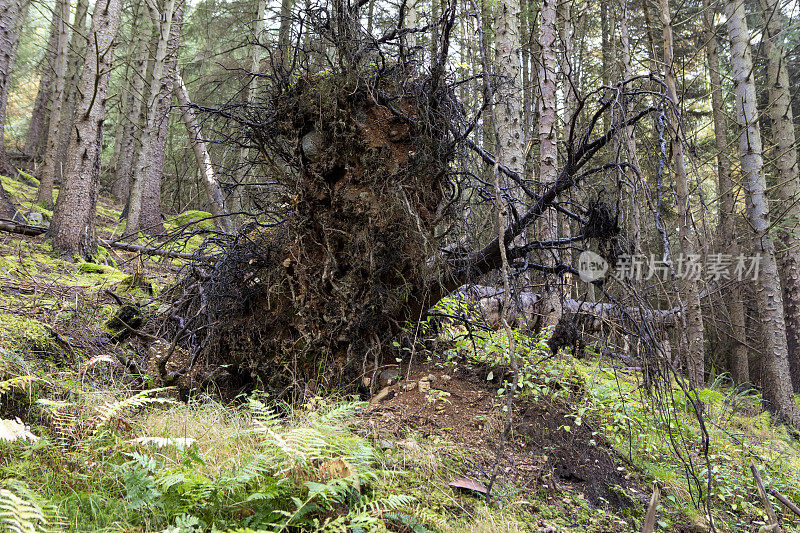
(32, 231)
(785, 501)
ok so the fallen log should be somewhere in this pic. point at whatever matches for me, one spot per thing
(490, 299)
(32, 231)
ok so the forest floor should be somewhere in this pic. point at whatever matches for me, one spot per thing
(100, 451)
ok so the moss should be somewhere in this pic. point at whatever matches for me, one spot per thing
(92, 274)
(27, 336)
(194, 216)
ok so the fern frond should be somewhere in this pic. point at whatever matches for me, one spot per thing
(113, 410)
(19, 383)
(19, 511)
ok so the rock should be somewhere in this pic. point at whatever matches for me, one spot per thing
(312, 144)
(424, 386)
(383, 395)
(389, 377)
(37, 219)
(429, 378)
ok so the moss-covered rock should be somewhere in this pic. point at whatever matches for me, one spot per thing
(27, 336)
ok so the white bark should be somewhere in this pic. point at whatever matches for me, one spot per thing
(206, 168)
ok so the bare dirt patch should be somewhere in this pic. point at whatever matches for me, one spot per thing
(464, 408)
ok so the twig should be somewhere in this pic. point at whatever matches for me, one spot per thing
(765, 499)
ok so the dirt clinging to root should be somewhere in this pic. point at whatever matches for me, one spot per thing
(314, 298)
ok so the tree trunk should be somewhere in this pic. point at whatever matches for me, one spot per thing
(237, 196)
(215, 198)
(694, 352)
(12, 16)
(150, 217)
(73, 225)
(548, 152)
(77, 50)
(36, 140)
(128, 144)
(163, 21)
(786, 190)
(47, 176)
(776, 379)
(726, 237)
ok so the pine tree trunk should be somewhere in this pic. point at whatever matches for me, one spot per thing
(237, 197)
(548, 151)
(36, 140)
(150, 217)
(76, 53)
(694, 352)
(47, 176)
(128, 144)
(776, 378)
(136, 203)
(786, 191)
(12, 16)
(726, 237)
(73, 225)
(206, 168)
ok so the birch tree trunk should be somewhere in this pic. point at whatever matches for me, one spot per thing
(36, 140)
(73, 224)
(786, 191)
(44, 195)
(694, 352)
(548, 151)
(205, 167)
(163, 21)
(776, 379)
(12, 16)
(740, 370)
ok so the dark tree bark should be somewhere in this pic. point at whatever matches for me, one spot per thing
(36, 140)
(73, 224)
(51, 164)
(12, 16)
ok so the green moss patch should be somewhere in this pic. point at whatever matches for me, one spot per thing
(27, 336)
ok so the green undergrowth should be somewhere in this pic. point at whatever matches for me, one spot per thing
(647, 429)
(207, 467)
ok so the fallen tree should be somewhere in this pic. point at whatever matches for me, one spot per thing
(32, 231)
(352, 247)
(525, 305)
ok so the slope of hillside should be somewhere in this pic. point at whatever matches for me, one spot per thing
(101, 450)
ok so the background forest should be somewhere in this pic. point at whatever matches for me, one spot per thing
(417, 265)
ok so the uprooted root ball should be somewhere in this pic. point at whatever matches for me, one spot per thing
(313, 298)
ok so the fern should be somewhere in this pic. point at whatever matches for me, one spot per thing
(110, 411)
(19, 511)
(19, 383)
